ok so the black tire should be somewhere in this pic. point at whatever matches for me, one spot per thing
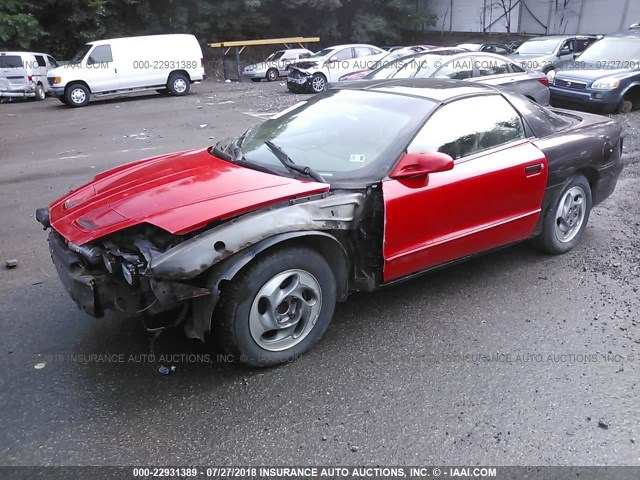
(549, 239)
(40, 93)
(178, 84)
(272, 75)
(318, 83)
(256, 80)
(239, 298)
(77, 95)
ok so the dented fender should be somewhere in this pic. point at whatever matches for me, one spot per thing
(335, 211)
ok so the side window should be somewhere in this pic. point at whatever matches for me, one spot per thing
(487, 48)
(453, 131)
(583, 43)
(491, 66)
(100, 54)
(344, 54)
(566, 48)
(501, 50)
(458, 69)
(40, 61)
(304, 55)
(373, 51)
(516, 68)
(362, 52)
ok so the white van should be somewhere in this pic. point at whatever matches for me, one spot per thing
(165, 63)
(24, 74)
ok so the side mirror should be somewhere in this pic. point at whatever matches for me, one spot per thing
(91, 61)
(421, 163)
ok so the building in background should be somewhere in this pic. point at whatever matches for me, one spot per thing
(545, 17)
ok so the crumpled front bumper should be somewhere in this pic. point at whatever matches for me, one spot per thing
(83, 287)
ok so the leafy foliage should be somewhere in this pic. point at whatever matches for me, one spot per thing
(61, 26)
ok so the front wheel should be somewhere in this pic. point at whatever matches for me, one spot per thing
(277, 307)
(77, 95)
(318, 83)
(178, 84)
(272, 75)
(566, 219)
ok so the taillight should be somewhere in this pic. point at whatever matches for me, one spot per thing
(30, 79)
(544, 81)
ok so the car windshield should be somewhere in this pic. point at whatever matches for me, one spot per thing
(274, 56)
(390, 57)
(10, 61)
(322, 53)
(612, 50)
(80, 54)
(408, 67)
(342, 135)
(538, 47)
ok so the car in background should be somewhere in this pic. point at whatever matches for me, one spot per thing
(328, 65)
(545, 53)
(275, 65)
(634, 25)
(256, 238)
(471, 66)
(606, 77)
(168, 64)
(489, 47)
(24, 74)
(513, 45)
(396, 55)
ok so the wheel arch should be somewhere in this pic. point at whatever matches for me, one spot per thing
(76, 82)
(182, 72)
(199, 323)
(632, 93)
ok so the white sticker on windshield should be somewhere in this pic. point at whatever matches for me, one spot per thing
(356, 158)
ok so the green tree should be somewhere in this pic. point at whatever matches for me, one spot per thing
(18, 25)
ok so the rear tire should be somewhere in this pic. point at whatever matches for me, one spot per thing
(566, 219)
(277, 307)
(77, 95)
(40, 93)
(178, 84)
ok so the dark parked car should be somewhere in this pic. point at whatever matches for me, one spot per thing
(546, 53)
(471, 66)
(489, 47)
(256, 238)
(606, 77)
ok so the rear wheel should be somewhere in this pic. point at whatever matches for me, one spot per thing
(277, 307)
(77, 95)
(40, 93)
(566, 219)
(178, 84)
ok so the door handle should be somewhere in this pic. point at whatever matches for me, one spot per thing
(533, 168)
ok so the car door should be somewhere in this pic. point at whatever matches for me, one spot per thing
(339, 63)
(102, 74)
(492, 197)
(39, 70)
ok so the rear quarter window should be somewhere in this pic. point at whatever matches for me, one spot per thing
(10, 61)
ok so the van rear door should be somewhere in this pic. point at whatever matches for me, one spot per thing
(14, 79)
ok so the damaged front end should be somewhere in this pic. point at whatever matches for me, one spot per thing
(145, 269)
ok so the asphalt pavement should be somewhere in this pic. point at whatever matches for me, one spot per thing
(514, 358)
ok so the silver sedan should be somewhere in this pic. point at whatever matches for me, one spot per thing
(471, 66)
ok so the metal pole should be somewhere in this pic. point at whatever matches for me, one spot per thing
(238, 64)
(224, 66)
(625, 11)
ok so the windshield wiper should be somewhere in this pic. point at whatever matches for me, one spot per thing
(289, 164)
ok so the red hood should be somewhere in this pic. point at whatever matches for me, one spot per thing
(178, 192)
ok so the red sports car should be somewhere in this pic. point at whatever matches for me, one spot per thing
(255, 239)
